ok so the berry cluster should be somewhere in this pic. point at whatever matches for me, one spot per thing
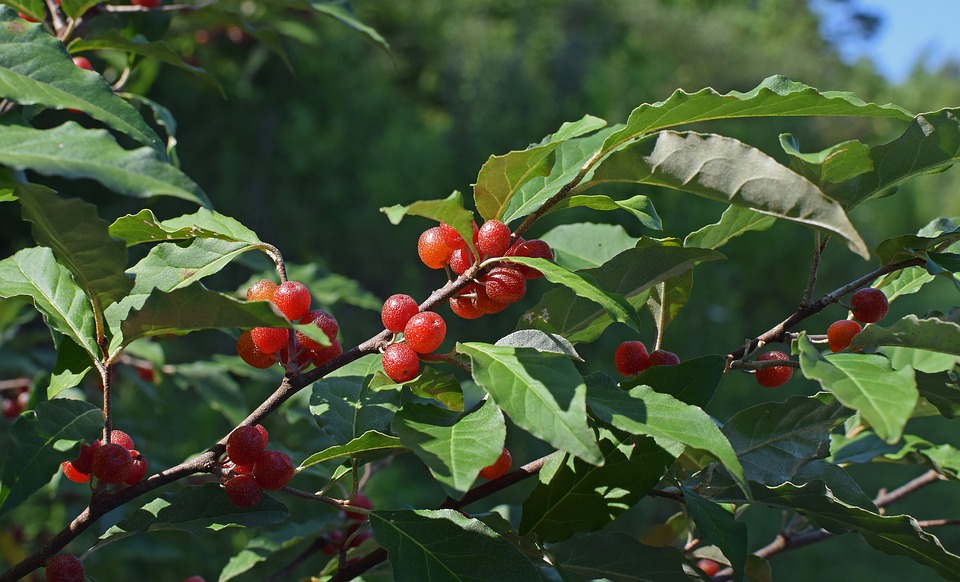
(251, 468)
(335, 541)
(262, 347)
(15, 401)
(631, 358)
(868, 305)
(116, 462)
(423, 332)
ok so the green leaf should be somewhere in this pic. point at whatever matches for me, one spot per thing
(114, 40)
(443, 545)
(342, 12)
(35, 8)
(501, 177)
(454, 446)
(73, 363)
(668, 298)
(910, 245)
(442, 387)
(144, 227)
(39, 441)
(838, 163)
(540, 341)
(639, 206)
(265, 546)
(449, 210)
(727, 170)
(573, 496)
(838, 480)
(586, 245)
(630, 274)
(618, 557)
(585, 286)
(34, 273)
(691, 381)
(643, 411)
(942, 391)
(719, 527)
(71, 151)
(774, 440)
(775, 96)
(903, 282)
(919, 360)
(216, 386)
(80, 241)
(196, 510)
(36, 69)
(928, 333)
(735, 221)
(898, 535)
(369, 446)
(162, 117)
(866, 383)
(541, 392)
(345, 406)
(75, 8)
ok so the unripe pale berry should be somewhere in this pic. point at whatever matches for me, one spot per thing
(64, 568)
(774, 375)
(869, 305)
(261, 290)
(840, 334)
(400, 363)
(425, 332)
(293, 299)
(631, 358)
(397, 311)
(244, 491)
(273, 470)
(499, 467)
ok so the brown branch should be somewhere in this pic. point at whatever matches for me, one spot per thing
(883, 498)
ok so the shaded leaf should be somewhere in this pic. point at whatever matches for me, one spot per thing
(540, 341)
(942, 391)
(264, 546)
(691, 381)
(720, 528)
(838, 163)
(618, 557)
(639, 206)
(928, 333)
(73, 363)
(369, 446)
(449, 210)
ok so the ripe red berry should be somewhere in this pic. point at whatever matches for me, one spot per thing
(70, 472)
(194, 579)
(244, 491)
(262, 290)
(460, 260)
(840, 334)
(774, 375)
(273, 470)
(293, 299)
(400, 363)
(631, 358)
(83, 63)
(483, 302)
(326, 354)
(505, 284)
(360, 500)
(11, 407)
(245, 445)
(453, 238)
(493, 238)
(662, 358)
(269, 340)
(433, 251)
(397, 311)
(709, 567)
(145, 3)
(112, 463)
(499, 467)
(251, 354)
(425, 331)
(64, 568)
(121, 438)
(869, 305)
(536, 249)
(138, 470)
(84, 461)
(325, 322)
(263, 433)
(465, 307)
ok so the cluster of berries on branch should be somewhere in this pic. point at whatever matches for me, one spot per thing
(116, 463)
(251, 468)
(631, 358)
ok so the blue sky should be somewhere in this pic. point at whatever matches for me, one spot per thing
(911, 29)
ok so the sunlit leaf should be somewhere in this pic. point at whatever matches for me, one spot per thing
(368, 446)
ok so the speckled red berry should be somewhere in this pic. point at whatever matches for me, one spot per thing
(269, 340)
(400, 363)
(631, 358)
(505, 284)
(244, 491)
(323, 320)
(261, 290)
(293, 299)
(840, 334)
(773, 376)
(536, 249)
(245, 445)
(64, 568)
(273, 470)
(662, 358)
(112, 463)
(432, 249)
(499, 467)
(71, 473)
(84, 461)
(397, 311)
(138, 470)
(251, 354)
(425, 332)
(869, 305)
(493, 238)
(121, 438)
(326, 354)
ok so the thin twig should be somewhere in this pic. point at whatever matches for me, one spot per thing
(821, 245)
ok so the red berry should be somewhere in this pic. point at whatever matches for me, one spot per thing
(505, 284)
(432, 250)
(400, 363)
(27, 17)
(453, 238)
(631, 358)
(536, 249)
(360, 500)
(484, 303)
(83, 63)
(112, 463)
(145, 3)
(138, 470)
(244, 491)
(70, 472)
(840, 334)
(11, 407)
(662, 358)
(269, 340)
(326, 354)
(262, 290)
(251, 354)
(869, 305)
(397, 310)
(709, 567)
(263, 433)
(774, 375)
(425, 331)
(121, 438)
(293, 299)
(64, 568)
(325, 322)
(84, 461)
(245, 445)
(460, 260)
(499, 467)
(194, 579)
(493, 238)
(465, 307)
(273, 470)
(334, 541)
